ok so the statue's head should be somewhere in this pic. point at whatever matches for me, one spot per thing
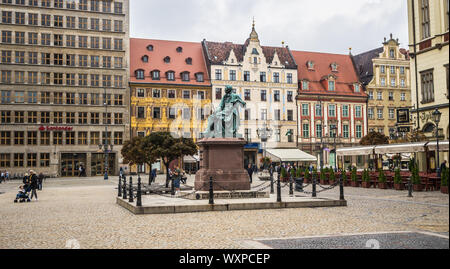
(228, 89)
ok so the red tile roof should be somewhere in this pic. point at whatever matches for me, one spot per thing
(346, 75)
(162, 49)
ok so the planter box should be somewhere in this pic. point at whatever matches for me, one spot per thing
(417, 187)
(332, 182)
(382, 185)
(444, 189)
(355, 184)
(398, 187)
(366, 184)
(323, 182)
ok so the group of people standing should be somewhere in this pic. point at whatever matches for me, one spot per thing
(4, 176)
(33, 182)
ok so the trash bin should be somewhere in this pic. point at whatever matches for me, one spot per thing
(299, 184)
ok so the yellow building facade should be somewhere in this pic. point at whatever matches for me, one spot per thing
(389, 88)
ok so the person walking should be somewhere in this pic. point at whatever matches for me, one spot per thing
(154, 175)
(443, 166)
(7, 176)
(250, 172)
(176, 179)
(33, 184)
(40, 180)
(2, 177)
(80, 171)
(26, 179)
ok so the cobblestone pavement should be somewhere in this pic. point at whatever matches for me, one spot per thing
(84, 209)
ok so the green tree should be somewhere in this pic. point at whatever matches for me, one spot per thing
(444, 177)
(163, 145)
(366, 176)
(374, 138)
(332, 175)
(136, 151)
(354, 177)
(415, 178)
(307, 174)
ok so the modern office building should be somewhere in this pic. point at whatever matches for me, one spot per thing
(63, 85)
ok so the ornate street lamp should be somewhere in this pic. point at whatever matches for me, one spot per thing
(436, 117)
(264, 134)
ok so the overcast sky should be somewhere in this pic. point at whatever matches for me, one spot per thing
(311, 25)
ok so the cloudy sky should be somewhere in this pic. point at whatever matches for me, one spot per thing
(311, 25)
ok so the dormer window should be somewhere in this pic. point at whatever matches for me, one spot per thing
(150, 47)
(167, 59)
(310, 65)
(199, 77)
(189, 60)
(185, 76)
(305, 85)
(155, 75)
(145, 59)
(331, 85)
(356, 87)
(140, 74)
(255, 51)
(170, 75)
(334, 67)
(255, 60)
(179, 49)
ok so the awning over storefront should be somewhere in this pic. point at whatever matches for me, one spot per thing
(443, 145)
(401, 148)
(190, 159)
(290, 155)
(355, 151)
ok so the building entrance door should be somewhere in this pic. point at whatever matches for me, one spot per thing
(98, 164)
(70, 163)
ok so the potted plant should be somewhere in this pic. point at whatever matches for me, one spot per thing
(332, 177)
(366, 179)
(415, 179)
(344, 177)
(323, 177)
(284, 174)
(444, 180)
(315, 174)
(398, 180)
(382, 180)
(355, 182)
(307, 176)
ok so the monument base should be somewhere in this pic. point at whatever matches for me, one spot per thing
(223, 160)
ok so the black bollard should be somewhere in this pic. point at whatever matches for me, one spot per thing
(139, 194)
(341, 188)
(125, 188)
(279, 187)
(314, 193)
(172, 186)
(120, 187)
(410, 187)
(130, 198)
(291, 187)
(272, 191)
(211, 191)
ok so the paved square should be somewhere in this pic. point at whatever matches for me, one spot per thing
(402, 240)
(83, 212)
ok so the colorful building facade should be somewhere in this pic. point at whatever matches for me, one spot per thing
(170, 89)
(332, 106)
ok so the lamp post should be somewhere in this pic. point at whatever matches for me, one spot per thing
(105, 148)
(264, 134)
(436, 116)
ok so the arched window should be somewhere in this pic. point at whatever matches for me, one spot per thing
(179, 49)
(150, 47)
(189, 60)
(199, 77)
(140, 74)
(185, 76)
(145, 59)
(167, 59)
(428, 128)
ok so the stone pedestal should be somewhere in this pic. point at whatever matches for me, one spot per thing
(223, 160)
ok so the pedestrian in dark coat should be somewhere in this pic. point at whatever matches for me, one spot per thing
(33, 184)
(250, 172)
(40, 180)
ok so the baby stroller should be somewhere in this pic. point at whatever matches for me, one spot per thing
(23, 196)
